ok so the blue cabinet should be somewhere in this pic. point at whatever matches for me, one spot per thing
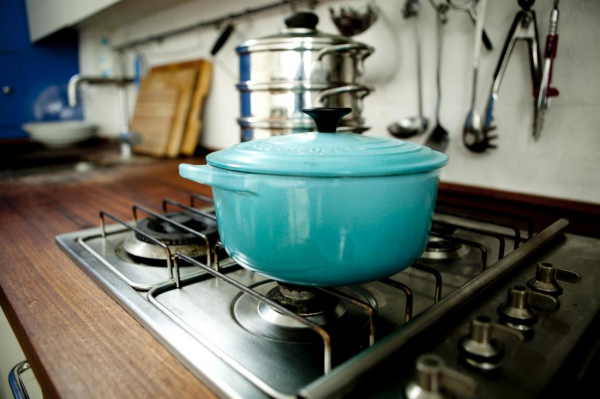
(11, 92)
(27, 69)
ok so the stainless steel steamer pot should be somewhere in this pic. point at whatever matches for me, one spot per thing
(300, 53)
(285, 101)
(254, 129)
(300, 67)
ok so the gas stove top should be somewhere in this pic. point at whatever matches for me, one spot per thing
(490, 309)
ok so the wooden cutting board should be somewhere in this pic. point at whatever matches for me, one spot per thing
(194, 121)
(153, 119)
(185, 81)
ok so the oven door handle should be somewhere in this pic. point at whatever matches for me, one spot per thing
(16, 383)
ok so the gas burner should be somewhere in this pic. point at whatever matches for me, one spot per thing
(443, 248)
(445, 229)
(178, 240)
(261, 338)
(304, 301)
(316, 306)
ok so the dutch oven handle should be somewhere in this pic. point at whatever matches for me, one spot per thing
(361, 48)
(16, 383)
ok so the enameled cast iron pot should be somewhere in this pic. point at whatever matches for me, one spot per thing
(326, 208)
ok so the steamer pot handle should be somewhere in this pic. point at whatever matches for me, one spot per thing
(365, 90)
(363, 48)
(216, 177)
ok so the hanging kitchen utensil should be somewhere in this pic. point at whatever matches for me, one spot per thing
(524, 27)
(545, 92)
(351, 22)
(439, 138)
(411, 126)
(469, 7)
(472, 127)
(301, 208)
(222, 39)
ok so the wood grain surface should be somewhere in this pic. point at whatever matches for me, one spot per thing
(184, 81)
(194, 120)
(80, 343)
(153, 118)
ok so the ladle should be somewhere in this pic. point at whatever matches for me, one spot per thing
(413, 125)
(472, 128)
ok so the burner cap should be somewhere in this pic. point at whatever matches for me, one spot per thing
(170, 234)
(441, 228)
(304, 301)
(442, 248)
(263, 321)
(438, 244)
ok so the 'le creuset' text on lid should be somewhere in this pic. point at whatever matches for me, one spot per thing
(328, 154)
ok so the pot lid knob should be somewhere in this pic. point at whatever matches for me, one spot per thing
(327, 119)
(302, 19)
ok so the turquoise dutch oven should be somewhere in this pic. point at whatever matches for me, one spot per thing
(326, 208)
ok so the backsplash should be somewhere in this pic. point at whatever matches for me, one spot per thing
(563, 163)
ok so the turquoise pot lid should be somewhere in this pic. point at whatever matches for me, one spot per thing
(328, 154)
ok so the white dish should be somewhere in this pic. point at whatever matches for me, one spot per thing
(60, 133)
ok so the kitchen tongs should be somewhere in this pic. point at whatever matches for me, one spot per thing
(524, 27)
(545, 91)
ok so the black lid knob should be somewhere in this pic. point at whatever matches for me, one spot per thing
(526, 4)
(302, 19)
(327, 119)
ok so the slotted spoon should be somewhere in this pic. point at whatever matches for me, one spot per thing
(439, 138)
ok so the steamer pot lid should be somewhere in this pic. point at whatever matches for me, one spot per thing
(328, 154)
(301, 31)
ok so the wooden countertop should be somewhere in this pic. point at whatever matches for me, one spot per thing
(79, 342)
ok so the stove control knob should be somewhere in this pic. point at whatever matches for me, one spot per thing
(516, 308)
(517, 312)
(481, 349)
(546, 276)
(433, 380)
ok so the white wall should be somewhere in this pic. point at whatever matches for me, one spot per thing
(563, 163)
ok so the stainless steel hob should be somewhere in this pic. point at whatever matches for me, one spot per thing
(486, 304)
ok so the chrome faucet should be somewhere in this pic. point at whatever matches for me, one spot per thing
(126, 136)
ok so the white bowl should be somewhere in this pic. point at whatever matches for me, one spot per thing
(60, 133)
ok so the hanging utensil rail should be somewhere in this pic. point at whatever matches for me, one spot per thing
(211, 22)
